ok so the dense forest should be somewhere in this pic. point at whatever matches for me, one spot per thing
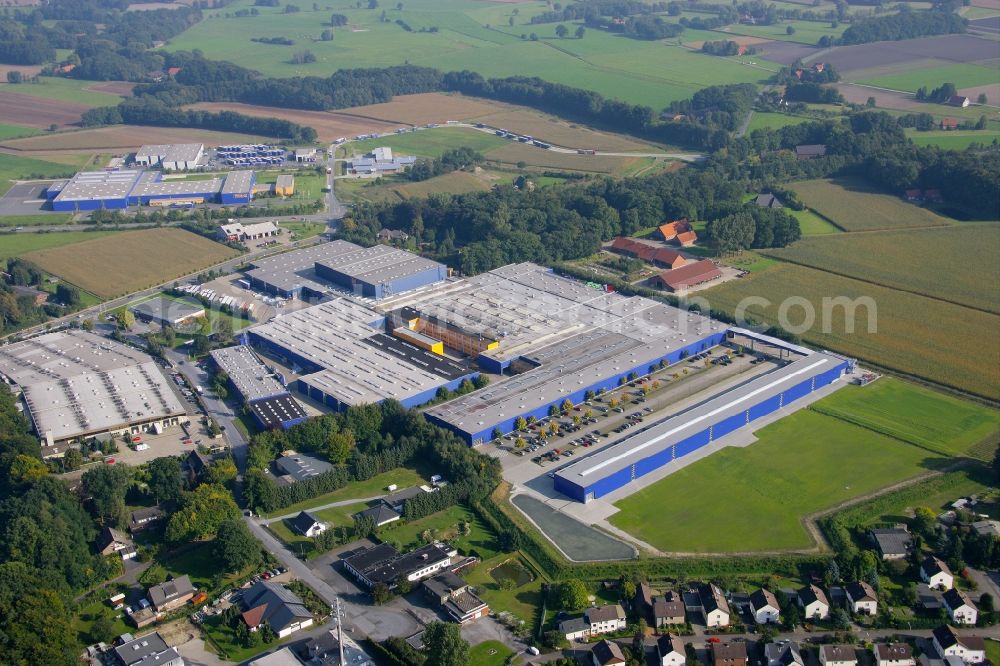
(906, 25)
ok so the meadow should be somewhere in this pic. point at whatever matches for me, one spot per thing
(15, 167)
(856, 206)
(915, 414)
(66, 90)
(132, 261)
(805, 32)
(35, 220)
(812, 224)
(793, 470)
(944, 343)
(16, 131)
(949, 263)
(470, 35)
(965, 75)
(18, 244)
(772, 120)
(430, 142)
(954, 139)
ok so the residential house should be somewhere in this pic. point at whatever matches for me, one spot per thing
(37, 296)
(862, 598)
(949, 123)
(381, 514)
(112, 541)
(670, 651)
(961, 610)
(785, 653)
(815, 605)
(714, 606)
(948, 643)
(936, 574)
(307, 524)
(146, 651)
(283, 657)
(810, 151)
(273, 603)
(172, 594)
(894, 654)
(668, 609)
(642, 604)
(960, 101)
(456, 597)
(764, 606)
(838, 655)
(140, 519)
(729, 654)
(767, 200)
(595, 621)
(607, 653)
(398, 499)
(392, 235)
(892, 543)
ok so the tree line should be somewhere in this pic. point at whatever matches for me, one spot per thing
(905, 25)
(450, 160)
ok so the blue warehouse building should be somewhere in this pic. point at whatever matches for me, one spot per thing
(658, 445)
(117, 190)
(261, 390)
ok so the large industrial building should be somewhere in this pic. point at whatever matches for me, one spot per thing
(659, 444)
(345, 358)
(262, 390)
(78, 384)
(557, 337)
(373, 272)
(97, 190)
(171, 156)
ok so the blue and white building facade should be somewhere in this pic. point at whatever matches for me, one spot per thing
(117, 190)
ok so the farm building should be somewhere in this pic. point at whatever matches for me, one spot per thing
(960, 101)
(686, 238)
(167, 311)
(654, 254)
(78, 384)
(810, 151)
(347, 360)
(284, 185)
(171, 157)
(374, 272)
(660, 444)
(97, 190)
(670, 230)
(767, 200)
(564, 337)
(949, 123)
(687, 276)
(261, 389)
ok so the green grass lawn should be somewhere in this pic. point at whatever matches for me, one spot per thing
(14, 167)
(301, 230)
(373, 487)
(812, 224)
(35, 220)
(767, 119)
(764, 490)
(953, 139)
(524, 601)
(962, 75)
(87, 614)
(993, 651)
(805, 32)
(13, 245)
(915, 414)
(490, 653)
(66, 90)
(748, 261)
(444, 524)
(226, 639)
(17, 131)
(431, 143)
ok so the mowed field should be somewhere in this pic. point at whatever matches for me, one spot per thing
(953, 140)
(431, 142)
(514, 152)
(855, 206)
(949, 344)
(956, 264)
(560, 132)
(130, 261)
(124, 137)
(917, 415)
(795, 469)
(963, 76)
(329, 125)
(424, 108)
(15, 167)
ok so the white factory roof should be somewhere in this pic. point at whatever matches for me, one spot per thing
(248, 373)
(172, 152)
(77, 383)
(382, 154)
(332, 335)
(237, 182)
(87, 185)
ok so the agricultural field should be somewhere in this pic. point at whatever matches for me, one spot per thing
(552, 129)
(329, 125)
(15, 167)
(883, 58)
(954, 139)
(132, 261)
(424, 108)
(35, 220)
(950, 263)
(913, 334)
(856, 206)
(470, 35)
(915, 414)
(963, 76)
(18, 244)
(801, 459)
(393, 190)
(65, 90)
(513, 153)
(812, 224)
(431, 142)
(16, 131)
(805, 32)
(124, 138)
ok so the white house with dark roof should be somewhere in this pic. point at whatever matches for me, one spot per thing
(861, 597)
(785, 653)
(714, 606)
(892, 543)
(307, 524)
(961, 610)
(948, 643)
(670, 651)
(595, 621)
(894, 654)
(764, 606)
(276, 605)
(936, 574)
(815, 605)
(838, 655)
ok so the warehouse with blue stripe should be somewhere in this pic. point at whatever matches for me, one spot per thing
(117, 190)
